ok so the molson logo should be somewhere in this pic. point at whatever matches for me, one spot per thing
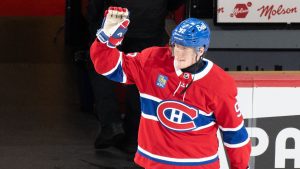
(241, 10)
(270, 10)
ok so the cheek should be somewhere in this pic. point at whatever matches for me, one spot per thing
(189, 61)
(177, 53)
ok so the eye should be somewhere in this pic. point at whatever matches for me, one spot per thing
(181, 47)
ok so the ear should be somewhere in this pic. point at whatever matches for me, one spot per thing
(200, 53)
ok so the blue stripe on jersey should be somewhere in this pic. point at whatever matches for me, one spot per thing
(116, 75)
(179, 163)
(202, 120)
(149, 107)
(235, 137)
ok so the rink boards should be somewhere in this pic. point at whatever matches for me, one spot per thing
(270, 103)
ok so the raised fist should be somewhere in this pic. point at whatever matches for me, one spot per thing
(114, 26)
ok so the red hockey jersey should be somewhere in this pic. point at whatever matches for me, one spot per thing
(178, 127)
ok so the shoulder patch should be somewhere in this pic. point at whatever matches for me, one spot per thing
(161, 81)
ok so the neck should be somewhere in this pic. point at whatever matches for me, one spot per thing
(196, 67)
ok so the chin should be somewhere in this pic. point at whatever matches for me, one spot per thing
(182, 67)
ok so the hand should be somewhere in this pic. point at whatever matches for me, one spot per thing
(114, 26)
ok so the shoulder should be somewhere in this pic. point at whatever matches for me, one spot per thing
(157, 53)
(221, 75)
(151, 57)
(155, 50)
(222, 82)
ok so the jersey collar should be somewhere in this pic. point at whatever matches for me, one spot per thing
(198, 75)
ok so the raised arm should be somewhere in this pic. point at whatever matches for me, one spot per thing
(107, 59)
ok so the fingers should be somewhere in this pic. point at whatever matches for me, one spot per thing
(117, 12)
(125, 13)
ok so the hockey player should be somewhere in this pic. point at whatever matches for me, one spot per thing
(185, 98)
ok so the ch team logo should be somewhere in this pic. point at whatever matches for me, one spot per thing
(176, 115)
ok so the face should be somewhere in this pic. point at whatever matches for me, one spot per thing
(186, 56)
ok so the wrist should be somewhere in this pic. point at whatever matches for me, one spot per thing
(108, 40)
(101, 36)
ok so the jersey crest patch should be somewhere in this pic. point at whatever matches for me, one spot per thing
(161, 81)
(177, 116)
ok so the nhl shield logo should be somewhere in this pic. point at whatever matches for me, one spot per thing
(161, 81)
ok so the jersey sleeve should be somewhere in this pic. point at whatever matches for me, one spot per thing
(116, 65)
(231, 124)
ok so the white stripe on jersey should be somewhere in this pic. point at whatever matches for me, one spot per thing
(144, 95)
(206, 126)
(170, 159)
(146, 116)
(115, 68)
(237, 145)
(232, 129)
